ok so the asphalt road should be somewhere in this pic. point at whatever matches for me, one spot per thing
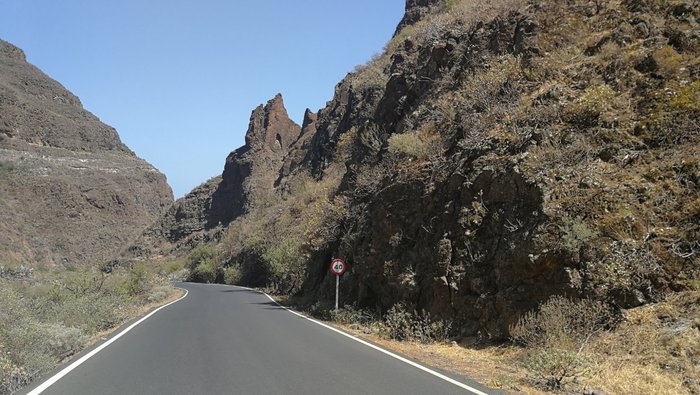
(227, 340)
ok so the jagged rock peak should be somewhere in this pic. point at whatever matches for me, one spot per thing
(9, 50)
(271, 127)
(310, 119)
(416, 10)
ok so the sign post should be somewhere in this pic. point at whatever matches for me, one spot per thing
(338, 268)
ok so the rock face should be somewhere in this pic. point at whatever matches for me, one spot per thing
(492, 158)
(249, 173)
(71, 193)
(417, 10)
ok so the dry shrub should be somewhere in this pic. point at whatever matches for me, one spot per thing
(12, 376)
(415, 145)
(487, 88)
(561, 322)
(556, 335)
(577, 233)
(368, 179)
(552, 367)
(372, 75)
(624, 274)
(460, 18)
(671, 115)
(350, 315)
(403, 324)
(371, 140)
(667, 60)
(42, 324)
(594, 101)
(632, 379)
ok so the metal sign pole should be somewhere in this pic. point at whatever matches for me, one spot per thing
(337, 283)
(337, 268)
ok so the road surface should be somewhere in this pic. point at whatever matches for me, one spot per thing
(229, 340)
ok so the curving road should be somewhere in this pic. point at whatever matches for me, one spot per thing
(229, 340)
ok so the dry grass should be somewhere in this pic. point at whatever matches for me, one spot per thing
(494, 366)
(654, 351)
(619, 378)
(48, 316)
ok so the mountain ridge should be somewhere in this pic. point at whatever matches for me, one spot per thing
(72, 193)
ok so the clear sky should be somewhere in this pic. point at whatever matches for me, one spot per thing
(178, 79)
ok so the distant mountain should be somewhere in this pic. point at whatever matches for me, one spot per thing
(71, 193)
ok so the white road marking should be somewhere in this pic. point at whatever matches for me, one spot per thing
(51, 381)
(368, 344)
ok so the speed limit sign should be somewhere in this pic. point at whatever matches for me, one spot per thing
(338, 267)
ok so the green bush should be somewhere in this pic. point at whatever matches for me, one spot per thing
(138, 279)
(202, 264)
(61, 340)
(50, 316)
(90, 313)
(27, 346)
(233, 275)
(286, 266)
(173, 267)
(177, 272)
(199, 255)
(204, 272)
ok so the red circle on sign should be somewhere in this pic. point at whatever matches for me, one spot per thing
(338, 267)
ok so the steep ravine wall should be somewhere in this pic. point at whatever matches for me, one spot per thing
(71, 193)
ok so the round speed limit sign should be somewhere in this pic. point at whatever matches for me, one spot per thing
(338, 267)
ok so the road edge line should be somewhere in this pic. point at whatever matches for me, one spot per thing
(53, 379)
(375, 347)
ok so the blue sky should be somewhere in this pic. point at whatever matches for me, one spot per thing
(178, 79)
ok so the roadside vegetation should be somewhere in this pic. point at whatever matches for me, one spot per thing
(48, 315)
(565, 346)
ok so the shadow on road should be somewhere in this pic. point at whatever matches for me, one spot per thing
(236, 290)
(270, 305)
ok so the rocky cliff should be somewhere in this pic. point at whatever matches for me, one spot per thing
(71, 193)
(248, 176)
(496, 154)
